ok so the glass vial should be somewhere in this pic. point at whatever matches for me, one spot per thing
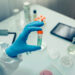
(39, 39)
(34, 14)
(27, 12)
(71, 48)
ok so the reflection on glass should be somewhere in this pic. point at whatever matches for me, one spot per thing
(3, 46)
(71, 48)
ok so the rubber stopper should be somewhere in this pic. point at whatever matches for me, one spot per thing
(40, 32)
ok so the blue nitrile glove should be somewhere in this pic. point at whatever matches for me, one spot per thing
(20, 45)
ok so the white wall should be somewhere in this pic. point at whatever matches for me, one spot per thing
(4, 9)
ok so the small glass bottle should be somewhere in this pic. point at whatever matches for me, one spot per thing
(71, 48)
(39, 39)
(27, 12)
(34, 14)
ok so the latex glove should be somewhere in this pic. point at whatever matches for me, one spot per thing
(20, 45)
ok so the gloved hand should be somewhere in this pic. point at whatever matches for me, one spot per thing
(20, 45)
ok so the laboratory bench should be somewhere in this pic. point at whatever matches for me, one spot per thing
(56, 48)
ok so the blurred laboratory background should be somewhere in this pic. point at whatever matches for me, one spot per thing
(66, 7)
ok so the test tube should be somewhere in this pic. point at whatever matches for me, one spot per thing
(39, 39)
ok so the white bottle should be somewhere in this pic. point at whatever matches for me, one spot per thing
(27, 12)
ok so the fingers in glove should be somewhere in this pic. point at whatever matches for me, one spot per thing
(35, 24)
(24, 35)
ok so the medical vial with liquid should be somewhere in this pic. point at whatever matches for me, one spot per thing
(27, 12)
(39, 39)
(71, 48)
(34, 14)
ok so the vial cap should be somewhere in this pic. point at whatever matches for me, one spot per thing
(40, 32)
(42, 19)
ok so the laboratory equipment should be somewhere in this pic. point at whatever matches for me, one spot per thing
(71, 48)
(39, 39)
(46, 72)
(63, 31)
(6, 38)
(34, 14)
(4, 34)
(27, 12)
(66, 61)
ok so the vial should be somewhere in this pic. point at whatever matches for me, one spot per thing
(27, 12)
(71, 48)
(39, 39)
(34, 14)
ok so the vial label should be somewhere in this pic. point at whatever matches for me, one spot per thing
(39, 42)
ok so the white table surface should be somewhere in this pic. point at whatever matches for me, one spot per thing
(35, 62)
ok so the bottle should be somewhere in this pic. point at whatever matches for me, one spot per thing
(34, 14)
(27, 12)
(39, 39)
(71, 48)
